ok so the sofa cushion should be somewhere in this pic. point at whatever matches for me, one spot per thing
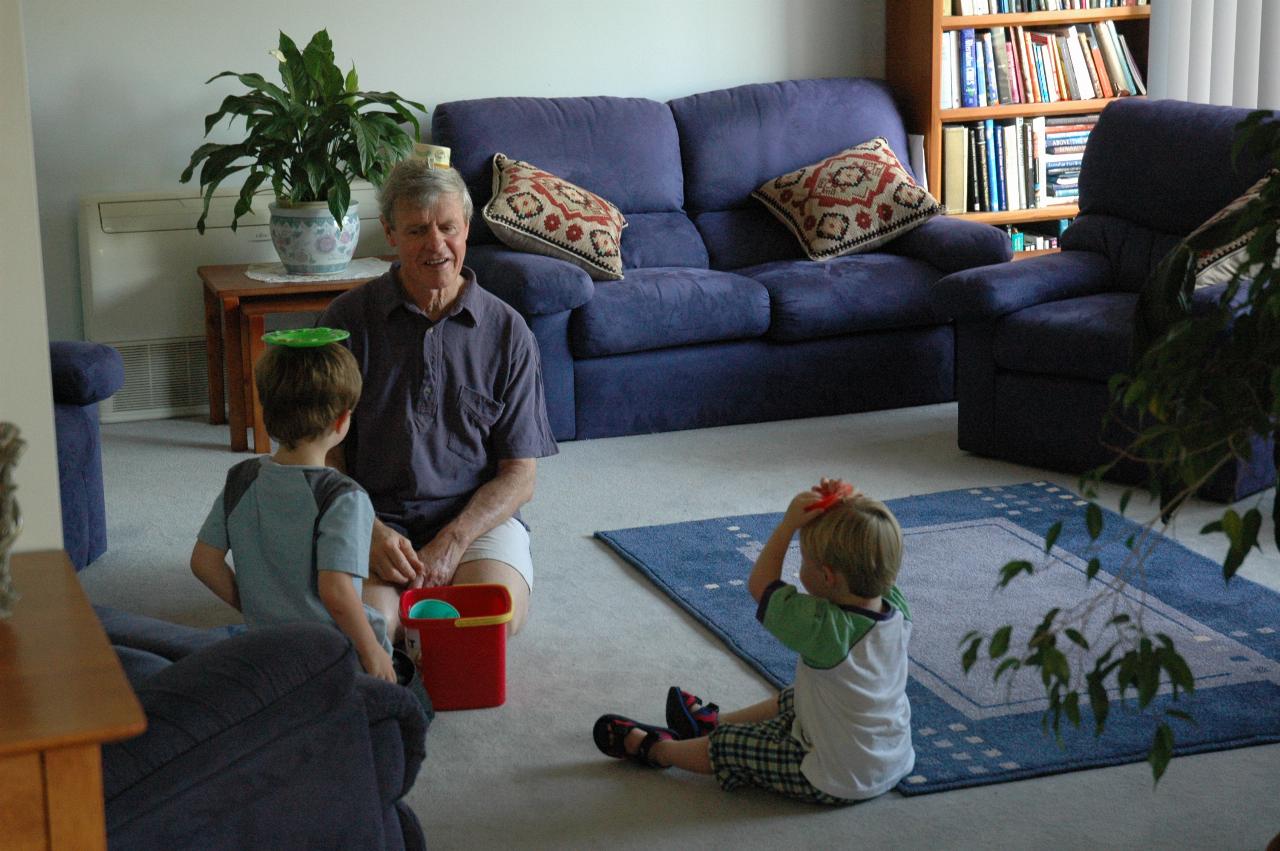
(656, 308)
(662, 239)
(733, 140)
(1086, 337)
(534, 210)
(851, 201)
(868, 292)
(590, 141)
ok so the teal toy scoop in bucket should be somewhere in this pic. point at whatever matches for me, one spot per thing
(432, 608)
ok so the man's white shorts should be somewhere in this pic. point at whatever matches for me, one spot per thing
(508, 543)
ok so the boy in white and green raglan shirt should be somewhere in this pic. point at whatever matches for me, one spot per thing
(842, 732)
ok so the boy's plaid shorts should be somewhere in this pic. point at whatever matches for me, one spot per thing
(764, 754)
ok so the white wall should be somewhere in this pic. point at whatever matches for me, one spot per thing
(118, 98)
(26, 397)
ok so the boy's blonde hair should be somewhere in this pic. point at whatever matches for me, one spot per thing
(860, 539)
(304, 390)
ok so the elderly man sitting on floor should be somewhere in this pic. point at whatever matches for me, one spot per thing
(452, 418)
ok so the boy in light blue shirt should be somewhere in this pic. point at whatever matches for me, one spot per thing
(299, 531)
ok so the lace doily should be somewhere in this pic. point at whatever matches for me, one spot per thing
(274, 273)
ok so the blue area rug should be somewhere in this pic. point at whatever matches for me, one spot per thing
(968, 730)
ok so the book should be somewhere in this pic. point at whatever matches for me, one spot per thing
(1015, 69)
(1095, 53)
(956, 82)
(955, 167)
(1082, 42)
(1109, 58)
(983, 157)
(1063, 60)
(915, 154)
(995, 166)
(1084, 82)
(1024, 64)
(1084, 122)
(975, 190)
(1123, 64)
(1133, 67)
(1009, 149)
(981, 70)
(948, 68)
(1042, 73)
(1037, 128)
(989, 64)
(1028, 164)
(1000, 49)
(968, 69)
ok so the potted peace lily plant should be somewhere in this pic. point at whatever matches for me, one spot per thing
(311, 137)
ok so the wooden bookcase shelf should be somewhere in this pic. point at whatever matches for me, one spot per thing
(913, 68)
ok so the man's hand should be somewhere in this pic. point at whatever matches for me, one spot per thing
(392, 558)
(439, 560)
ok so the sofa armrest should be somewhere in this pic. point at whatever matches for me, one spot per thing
(950, 244)
(987, 292)
(255, 738)
(84, 373)
(531, 283)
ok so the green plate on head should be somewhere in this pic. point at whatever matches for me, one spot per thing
(305, 338)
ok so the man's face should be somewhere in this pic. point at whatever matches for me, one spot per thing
(431, 243)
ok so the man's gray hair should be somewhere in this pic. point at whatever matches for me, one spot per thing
(416, 181)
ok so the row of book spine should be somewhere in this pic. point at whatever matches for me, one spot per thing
(1007, 65)
(1016, 164)
(1028, 240)
(1002, 7)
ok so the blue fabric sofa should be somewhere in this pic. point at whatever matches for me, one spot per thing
(1037, 340)
(719, 319)
(268, 739)
(83, 375)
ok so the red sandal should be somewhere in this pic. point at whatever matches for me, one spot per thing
(688, 717)
(610, 734)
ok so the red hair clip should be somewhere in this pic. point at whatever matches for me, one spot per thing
(830, 498)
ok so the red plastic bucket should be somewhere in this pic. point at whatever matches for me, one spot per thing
(464, 659)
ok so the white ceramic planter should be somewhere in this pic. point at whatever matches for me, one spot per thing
(309, 241)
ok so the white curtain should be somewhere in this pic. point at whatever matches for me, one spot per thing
(1216, 51)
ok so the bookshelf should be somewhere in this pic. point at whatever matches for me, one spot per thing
(914, 32)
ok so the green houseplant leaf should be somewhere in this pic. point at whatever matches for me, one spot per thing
(310, 137)
(1203, 384)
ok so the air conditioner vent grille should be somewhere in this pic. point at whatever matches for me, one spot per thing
(161, 378)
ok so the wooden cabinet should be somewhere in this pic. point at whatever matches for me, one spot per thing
(914, 32)
(62, 694)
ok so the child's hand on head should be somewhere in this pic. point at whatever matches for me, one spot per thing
(798, 513)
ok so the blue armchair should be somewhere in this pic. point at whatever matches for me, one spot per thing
(269, 739)
(1037, 340)
(83, 375)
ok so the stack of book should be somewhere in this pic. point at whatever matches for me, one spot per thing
(1037, 236)
(1006, 65)
(1014, 164)
(1000, 7)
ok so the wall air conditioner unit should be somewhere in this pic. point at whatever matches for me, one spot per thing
(141, 294)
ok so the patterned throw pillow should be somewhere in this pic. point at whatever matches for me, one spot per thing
(1218, 265)
(533, 210)
(849, 202)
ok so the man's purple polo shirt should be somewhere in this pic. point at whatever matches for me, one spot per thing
(442, 402)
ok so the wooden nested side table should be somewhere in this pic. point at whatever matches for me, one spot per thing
(235, 306)
(62, 694)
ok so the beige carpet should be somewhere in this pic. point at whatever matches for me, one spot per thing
(601, 639)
